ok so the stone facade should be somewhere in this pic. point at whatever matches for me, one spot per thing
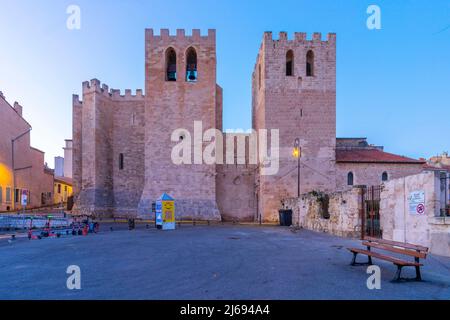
(301, 106)
(107, 125)
(431, 229)
(170, 105)
(371, 173)
(31, 174)
(122, 144)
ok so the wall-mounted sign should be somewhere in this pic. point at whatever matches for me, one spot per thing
(416, 200)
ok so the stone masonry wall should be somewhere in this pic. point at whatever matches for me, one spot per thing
(235, 183)
(370, 173)
(343, 209)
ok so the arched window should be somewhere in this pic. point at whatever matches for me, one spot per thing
(384, 176)
(191, 65)
(171, 65)
(350, 178)
(310, 63)
(290, 63)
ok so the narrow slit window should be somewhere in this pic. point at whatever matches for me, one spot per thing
(310, 63)
(290, 63)
(121, 161)
(259, 76)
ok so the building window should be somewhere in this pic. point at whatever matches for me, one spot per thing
(1, 194)
(191, 65)
(290, 63)
(17, 196)
(121, 161)
(8, 194)
(350, 178)
(384, 176)
(310, 63)
(59, 188)
(65, 188)
(171, 65)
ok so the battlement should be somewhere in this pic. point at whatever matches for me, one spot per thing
(96, 86)
(300, 37)
(165, 36)
(76, 100)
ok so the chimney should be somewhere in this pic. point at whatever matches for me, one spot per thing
(18, 108)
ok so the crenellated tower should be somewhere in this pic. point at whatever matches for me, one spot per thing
(107, 129)
(294, 90)
(180, 84)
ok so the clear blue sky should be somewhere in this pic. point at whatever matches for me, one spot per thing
(393, 84)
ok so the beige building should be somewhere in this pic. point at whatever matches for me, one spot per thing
(122, 142)
(22, 169)
(62, 190)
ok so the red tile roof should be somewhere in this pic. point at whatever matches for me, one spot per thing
(372, 156)
(436, 167)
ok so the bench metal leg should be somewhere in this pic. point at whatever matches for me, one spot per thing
(354, 258)
(418, 275)
(354, 263)
(398, 273)
(398, 277)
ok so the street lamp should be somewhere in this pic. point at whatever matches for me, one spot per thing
(297, 153)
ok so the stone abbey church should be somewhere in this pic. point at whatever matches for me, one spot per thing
(122, 141)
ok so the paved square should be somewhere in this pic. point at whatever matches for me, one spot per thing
(205, 262)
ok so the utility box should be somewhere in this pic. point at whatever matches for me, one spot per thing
(165, 212)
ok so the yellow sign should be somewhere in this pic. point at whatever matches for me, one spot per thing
(168, 211)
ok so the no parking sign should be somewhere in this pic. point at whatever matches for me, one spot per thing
(417, 202)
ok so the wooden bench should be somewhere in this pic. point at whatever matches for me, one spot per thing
(402, 248)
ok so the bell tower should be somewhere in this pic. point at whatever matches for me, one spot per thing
(180, 85)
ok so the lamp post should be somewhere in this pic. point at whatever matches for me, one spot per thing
(297, 153)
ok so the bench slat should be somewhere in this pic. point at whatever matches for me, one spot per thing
(383, 257)
(397, 244)
(390, 248)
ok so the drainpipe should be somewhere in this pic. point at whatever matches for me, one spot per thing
(14, 168)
